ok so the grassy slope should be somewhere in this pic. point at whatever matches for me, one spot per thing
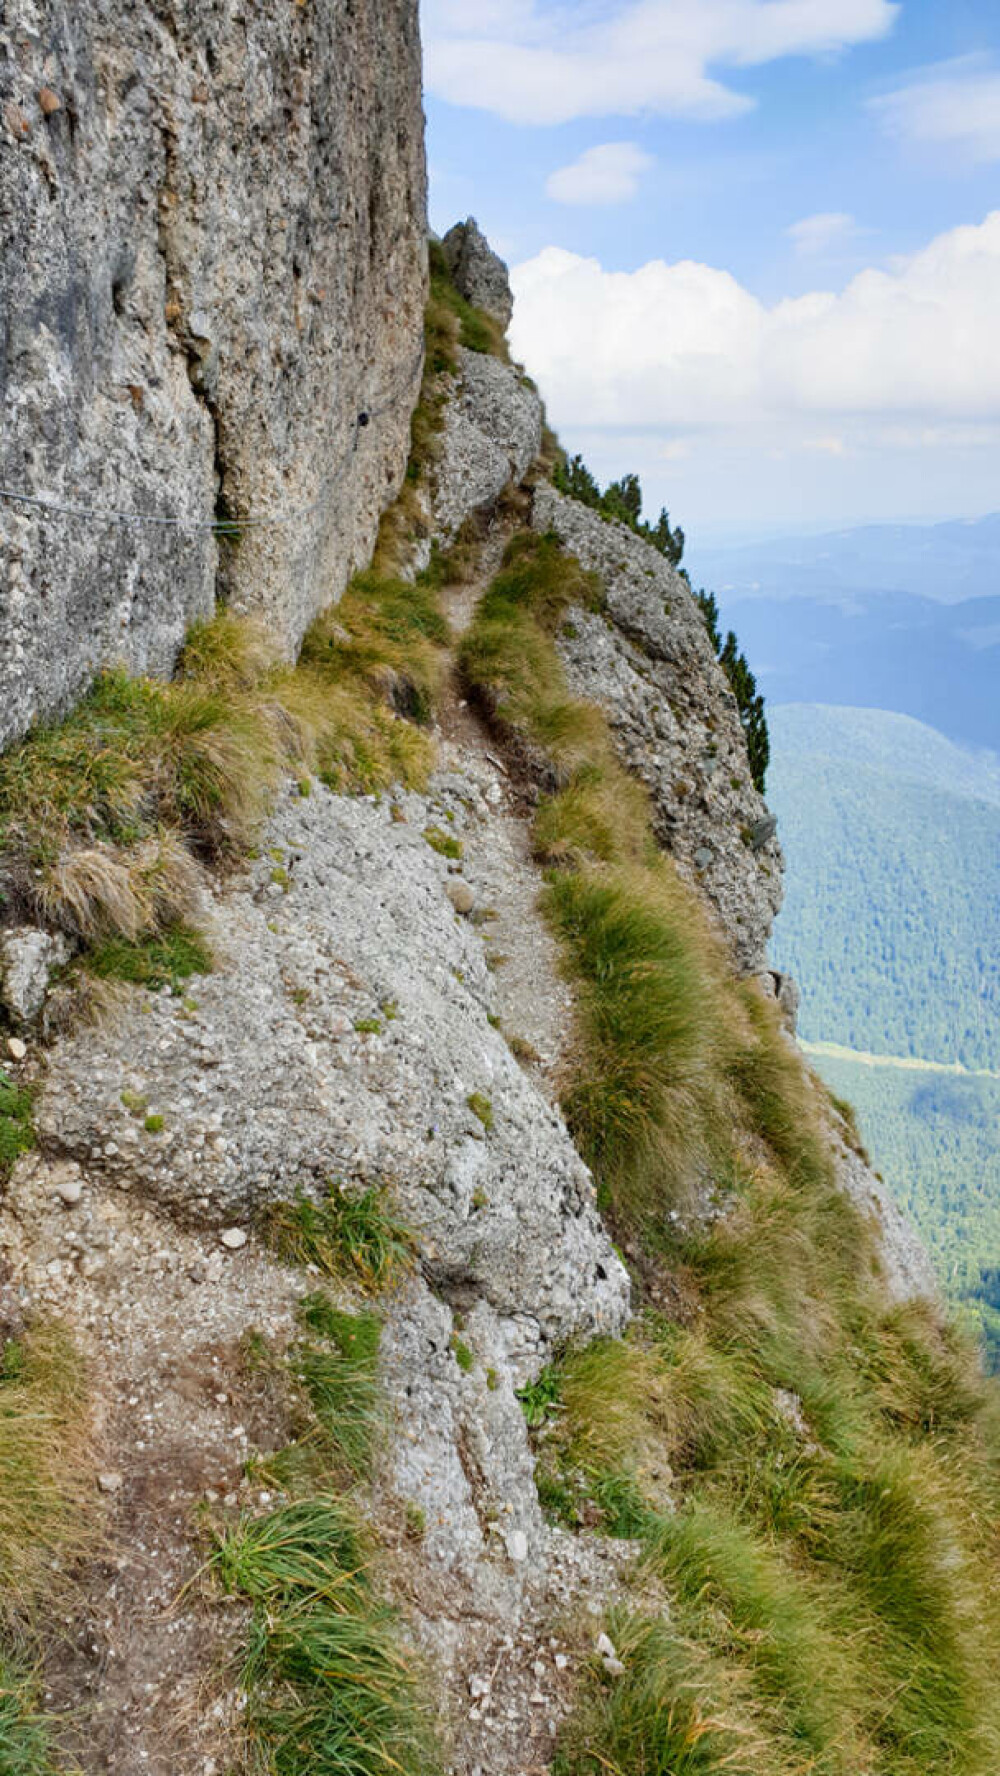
(811, 1475)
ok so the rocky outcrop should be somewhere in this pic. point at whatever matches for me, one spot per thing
(324, 1048)
(492, 435)
(906, 1270)
(212, 263)
(647, 660)
(478, 273)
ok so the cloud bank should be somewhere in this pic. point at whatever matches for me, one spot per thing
(544, 62)
(683, 349)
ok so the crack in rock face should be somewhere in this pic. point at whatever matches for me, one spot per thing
(212, 258)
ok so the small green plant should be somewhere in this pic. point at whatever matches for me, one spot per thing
(368, 1026)
(154, 1124)
(17, 1134)
(445, 844)
(416, 1522)
(462, 1354)
(542, 1397)
(134, 1103)
(345, 1233)
(492, 1380)
(482, 1107)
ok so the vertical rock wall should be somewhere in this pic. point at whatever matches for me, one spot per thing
(212, 260)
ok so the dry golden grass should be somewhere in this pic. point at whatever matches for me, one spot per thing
(49, 1517)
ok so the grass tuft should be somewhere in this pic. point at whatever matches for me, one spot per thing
(48, 1517)
(165, 960)
(344, 1234)
(24, 1737)
(332, 1690)
(336, 1365)
(107, 817)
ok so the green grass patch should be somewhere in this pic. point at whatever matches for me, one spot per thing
(812, 1476)
(24, 1734)
(332, 1688)
(336, 1365)
(445, 844)
(17, 1133)
(482, 1108)
(48, 1516)
(345, 1234)
(167, 959)
(105, 817)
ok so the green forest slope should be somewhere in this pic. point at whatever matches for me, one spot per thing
(891, 925)
(893, 893)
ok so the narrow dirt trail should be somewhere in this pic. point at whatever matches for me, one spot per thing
(534, 1003)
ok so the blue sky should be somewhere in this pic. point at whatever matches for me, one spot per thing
(780, 148)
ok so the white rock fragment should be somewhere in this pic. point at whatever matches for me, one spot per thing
(461, 896)
(16, 1048)
(69, 1191)
(110, 1482)
(517, 1546)
(233, 1238)
(608, 1656)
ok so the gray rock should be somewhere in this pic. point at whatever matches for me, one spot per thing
(477, 272)
(492, 435)
(762, 831)
(212, 259)
(907, 1271)
(461, 896)
(786, 991)
(27, 959)
(649, 663)
(509, 1220)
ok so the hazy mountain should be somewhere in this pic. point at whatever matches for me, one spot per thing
(884, 617)
(947, 563)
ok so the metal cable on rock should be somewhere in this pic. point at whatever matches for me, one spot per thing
(228, 526)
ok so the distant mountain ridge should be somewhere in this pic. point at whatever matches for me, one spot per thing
(947, 562)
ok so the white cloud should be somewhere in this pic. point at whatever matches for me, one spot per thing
(683, 348)
(547, 61)
(955, 105)
(817, 234)
(607, 174)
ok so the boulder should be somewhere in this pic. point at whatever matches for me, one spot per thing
(27, 959)
(478, 273)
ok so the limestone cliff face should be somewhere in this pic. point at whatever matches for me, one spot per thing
(212, 261)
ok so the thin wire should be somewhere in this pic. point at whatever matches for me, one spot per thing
(227, 526)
